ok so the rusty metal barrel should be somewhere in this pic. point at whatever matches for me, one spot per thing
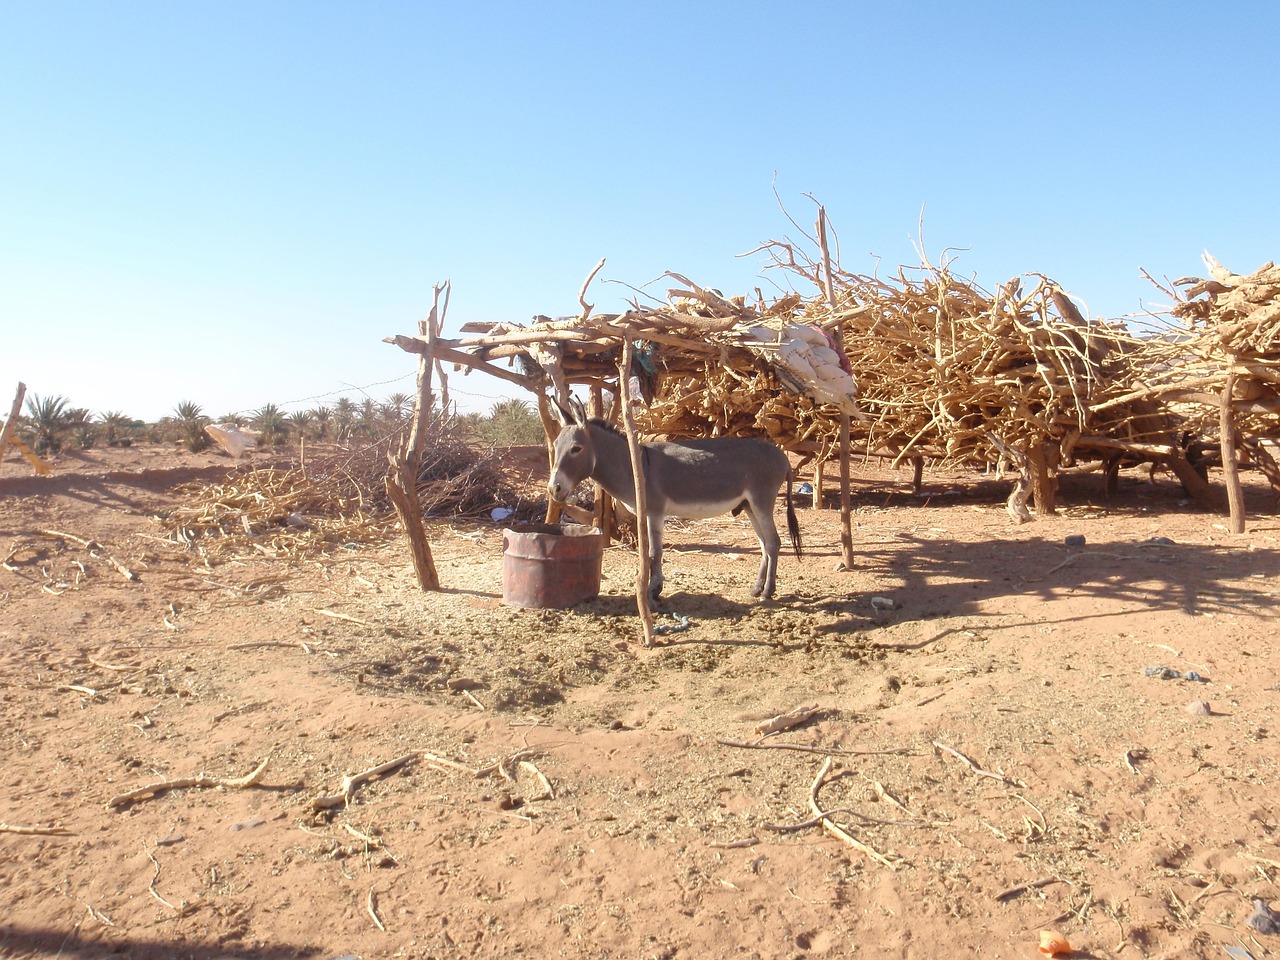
(551, 564)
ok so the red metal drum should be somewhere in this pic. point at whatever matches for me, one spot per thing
(551, 565)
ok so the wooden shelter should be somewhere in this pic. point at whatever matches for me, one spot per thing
(942, 370)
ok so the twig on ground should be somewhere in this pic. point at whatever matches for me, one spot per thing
(446, 762)
(352, 780)
(806, 748)
(548, 792)
(79, 688)
(1022, 888)
(736, 844)
(185, 783)
(785, 721)
(342, 616)
(362, 837)
(35, 831)
(372, 905)
(977, 769)
(835, 830)
(268, 643)
(151, 887)
(816, 821)
(503, 765)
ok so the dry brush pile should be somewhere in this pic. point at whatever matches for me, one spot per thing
(338, 498)
(1229, 345)
(944, 369)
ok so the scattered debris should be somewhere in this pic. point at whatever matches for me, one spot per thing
(1053, 944)
(1264, 919)
(1168, 673)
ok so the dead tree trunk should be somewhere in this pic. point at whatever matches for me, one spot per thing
(402, 478)
(1230, 471)
(11, 424)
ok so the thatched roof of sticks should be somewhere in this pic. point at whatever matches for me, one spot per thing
(1228, 346)
(944, 369)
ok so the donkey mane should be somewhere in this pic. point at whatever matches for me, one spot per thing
(606, 426)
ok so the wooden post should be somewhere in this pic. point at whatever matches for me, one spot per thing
(819, 469)
(846, 506)
(642, 505)
(1041, 482)
(402, 478)
(1230, 471)
(550, 430)
(11, 424)
(603, 520)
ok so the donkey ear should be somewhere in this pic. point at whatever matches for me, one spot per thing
(564, 416)
(579, 411)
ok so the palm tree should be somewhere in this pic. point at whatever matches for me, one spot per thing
(514, 422)
(80, 422)
(369, 420)
(190, 417)
(323, 417)
(270, 423)
(114, 423)
(344, 417)
(300, 421)
(49, 421)
(398, 407)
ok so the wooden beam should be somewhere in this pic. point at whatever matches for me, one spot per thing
(1230, 471)
(846, 504)
(642, 500)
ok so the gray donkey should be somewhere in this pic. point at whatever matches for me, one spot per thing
(692, 479)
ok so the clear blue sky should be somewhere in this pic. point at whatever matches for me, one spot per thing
(232, 203)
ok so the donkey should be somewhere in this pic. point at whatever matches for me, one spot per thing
(694, 479)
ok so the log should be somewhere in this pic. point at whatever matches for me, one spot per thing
(1230, 471)
(642, 500)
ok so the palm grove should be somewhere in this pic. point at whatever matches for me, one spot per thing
(51, 424)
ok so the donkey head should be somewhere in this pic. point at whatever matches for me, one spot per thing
(575, 455)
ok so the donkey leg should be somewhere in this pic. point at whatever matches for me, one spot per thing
(770, 544)
(655, 557)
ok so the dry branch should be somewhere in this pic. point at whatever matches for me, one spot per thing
(977, 769)
(353, 780)
(186, 783)
(785, 721)
(833, 828)
(35, 831)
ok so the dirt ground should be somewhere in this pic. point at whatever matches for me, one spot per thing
(993, 742)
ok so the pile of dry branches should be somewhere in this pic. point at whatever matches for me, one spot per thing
(1229, 348)
(334, 500)
(945, 370)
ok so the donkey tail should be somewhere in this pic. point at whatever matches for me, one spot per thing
(793, 526)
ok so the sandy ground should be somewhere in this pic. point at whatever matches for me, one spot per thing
(990, 738)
